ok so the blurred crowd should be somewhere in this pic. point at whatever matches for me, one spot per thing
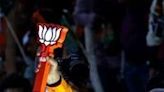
(111, 46)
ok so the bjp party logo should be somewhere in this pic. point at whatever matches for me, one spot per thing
(51, 35)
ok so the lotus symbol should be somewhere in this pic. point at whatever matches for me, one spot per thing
(48, 35)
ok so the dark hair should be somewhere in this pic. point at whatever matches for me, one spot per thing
(16, 81)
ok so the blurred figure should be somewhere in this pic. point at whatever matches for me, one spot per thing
(14, 11)
(101, 21)
(84, 17)
(133, 35)
(155, 38)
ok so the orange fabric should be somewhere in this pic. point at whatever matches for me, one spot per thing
(63, 87)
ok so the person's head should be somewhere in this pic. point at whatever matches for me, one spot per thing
(15, 83)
